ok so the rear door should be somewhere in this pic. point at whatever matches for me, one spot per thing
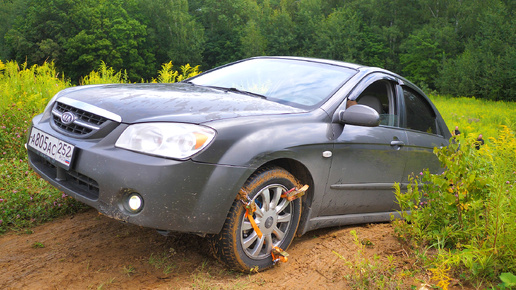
(424, 132)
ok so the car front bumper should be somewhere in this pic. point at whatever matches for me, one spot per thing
(180, 196)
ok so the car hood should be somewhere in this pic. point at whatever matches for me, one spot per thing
(178, 102)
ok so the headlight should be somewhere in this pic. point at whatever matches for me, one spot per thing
(171, 140)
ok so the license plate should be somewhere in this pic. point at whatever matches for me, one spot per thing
(52, 147)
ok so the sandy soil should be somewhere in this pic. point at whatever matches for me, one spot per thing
(90, 251)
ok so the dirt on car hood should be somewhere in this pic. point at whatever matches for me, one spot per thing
(177, 102)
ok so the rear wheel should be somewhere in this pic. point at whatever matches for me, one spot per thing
(239, 244)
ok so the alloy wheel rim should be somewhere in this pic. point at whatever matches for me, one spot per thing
(273, 216)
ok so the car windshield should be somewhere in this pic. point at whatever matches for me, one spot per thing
(298, 83)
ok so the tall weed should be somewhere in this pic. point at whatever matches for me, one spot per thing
(28, 88)
(25, 199)
(168, 75)
(105, 75)
(25, 92)
(466, 212)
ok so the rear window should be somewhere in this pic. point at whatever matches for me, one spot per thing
(420, 115)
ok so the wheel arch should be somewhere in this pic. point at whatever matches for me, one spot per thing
(303, 175)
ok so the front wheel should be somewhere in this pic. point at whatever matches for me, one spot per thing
(239, 244)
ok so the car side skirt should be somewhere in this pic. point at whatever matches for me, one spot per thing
(350, 219)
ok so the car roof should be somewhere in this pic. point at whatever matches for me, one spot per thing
(360, 67)
(319, 60)
(364, 69)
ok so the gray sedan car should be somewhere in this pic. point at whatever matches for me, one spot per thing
(249, 154)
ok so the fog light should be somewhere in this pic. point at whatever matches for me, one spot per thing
(135, 202)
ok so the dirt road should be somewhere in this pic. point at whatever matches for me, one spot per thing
(90, 251)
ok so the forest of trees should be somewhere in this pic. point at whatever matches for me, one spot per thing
(456, 47)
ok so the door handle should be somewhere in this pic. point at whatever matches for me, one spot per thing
(397, 143)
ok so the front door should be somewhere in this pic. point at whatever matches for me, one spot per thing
(367, 161)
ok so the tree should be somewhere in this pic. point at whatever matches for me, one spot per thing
(278, 28)
(252, 42)
(224, 22)
(339, 37)
(79, 34)
(486, 68)
(8, 12)
(111, 36)
(172, 32)
(42, 25)
(390, 21)
(308, 17)
(421, 57)
(459, 47)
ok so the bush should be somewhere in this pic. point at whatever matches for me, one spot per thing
(465, 212)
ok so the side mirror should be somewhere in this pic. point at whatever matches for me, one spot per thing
(360, 115)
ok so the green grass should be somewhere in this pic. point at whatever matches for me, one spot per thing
(476, 116)
(474, 232)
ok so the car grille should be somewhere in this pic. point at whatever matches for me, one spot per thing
(86, 122)
(87, 184)
(74, 181)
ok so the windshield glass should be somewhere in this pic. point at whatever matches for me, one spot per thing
(297, 83)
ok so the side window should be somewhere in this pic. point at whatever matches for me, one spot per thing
(419, 113)
(380, 97)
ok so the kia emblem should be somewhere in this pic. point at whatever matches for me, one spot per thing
(67, 118)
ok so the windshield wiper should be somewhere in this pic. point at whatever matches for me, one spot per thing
(235, 90)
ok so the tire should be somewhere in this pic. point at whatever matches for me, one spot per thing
(238, 245)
